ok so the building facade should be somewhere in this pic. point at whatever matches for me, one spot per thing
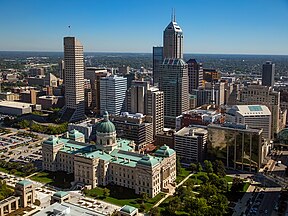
(157, 61)
(173, 41)
(112, 94)
(255, 116)
(136, 127)
(74, 80)
(190, 144)
(174, 84)
(265, 95)
(268, 73)
(195, 74)
(146, 99)
(236, 145)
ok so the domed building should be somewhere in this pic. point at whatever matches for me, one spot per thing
(106, 134)
(110, 161)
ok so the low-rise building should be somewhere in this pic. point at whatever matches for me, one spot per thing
(255, 116)
(136, 127)
(203, 115)
(17, 108)
(237, 146)
(190, 144)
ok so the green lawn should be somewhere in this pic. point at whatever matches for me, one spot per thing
(229, 178)
(184, 173)
(17, 173)
(122, 196)
(57, 179)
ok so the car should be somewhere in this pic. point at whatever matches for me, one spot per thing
(266, 211)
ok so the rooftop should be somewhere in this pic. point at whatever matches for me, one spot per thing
(14, 104)
(250, 110)
(60, 194)
(128, 209)
(67, 209)
(174, 61)
(24, 183)
(121, 155)
(191, 131)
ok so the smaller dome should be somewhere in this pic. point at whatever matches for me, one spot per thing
(105, 126)
(148, 160)
(74, 134)
(164, 151)
(52, 140)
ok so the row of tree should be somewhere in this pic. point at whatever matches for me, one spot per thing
(35, 127)
(13, 167)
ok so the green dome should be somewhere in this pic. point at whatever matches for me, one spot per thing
(52, 140)
(105, 126)
(74, 134)
(283, 136)
(164, 151)
(148, 160)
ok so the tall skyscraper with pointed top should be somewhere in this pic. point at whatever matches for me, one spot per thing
(173, 40)
(74, 109)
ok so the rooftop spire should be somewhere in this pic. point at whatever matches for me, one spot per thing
(173, 16)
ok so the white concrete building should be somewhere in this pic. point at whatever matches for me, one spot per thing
(17, 108)
(255, 116)
(112, 94)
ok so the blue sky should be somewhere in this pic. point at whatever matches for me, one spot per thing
(209, 26)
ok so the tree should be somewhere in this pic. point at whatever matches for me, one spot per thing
(193, 167)
(207, 190)
(173, 205)
(237, 185)
(219, 204)
(178, 167)
(142, 207)
(199, 167)
(197, 206)
(144, 197)
(106, 192)
(208, 166)
(219, 168)
(154, 212)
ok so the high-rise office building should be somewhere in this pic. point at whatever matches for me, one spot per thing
(112, 94)
(174, 84)
(268, 72)
(173, 40)
(146, 99)
(74, 109)
(61, 69)
(94, 75)
(157, 61)
(195, 74)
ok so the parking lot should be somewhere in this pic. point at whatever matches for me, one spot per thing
(20, 147)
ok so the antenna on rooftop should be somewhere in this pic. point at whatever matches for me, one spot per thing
(173, 16)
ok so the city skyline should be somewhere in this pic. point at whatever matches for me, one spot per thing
(222, 27)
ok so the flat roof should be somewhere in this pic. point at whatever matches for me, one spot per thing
(186, 130)
(15, 104)
(75, 210)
